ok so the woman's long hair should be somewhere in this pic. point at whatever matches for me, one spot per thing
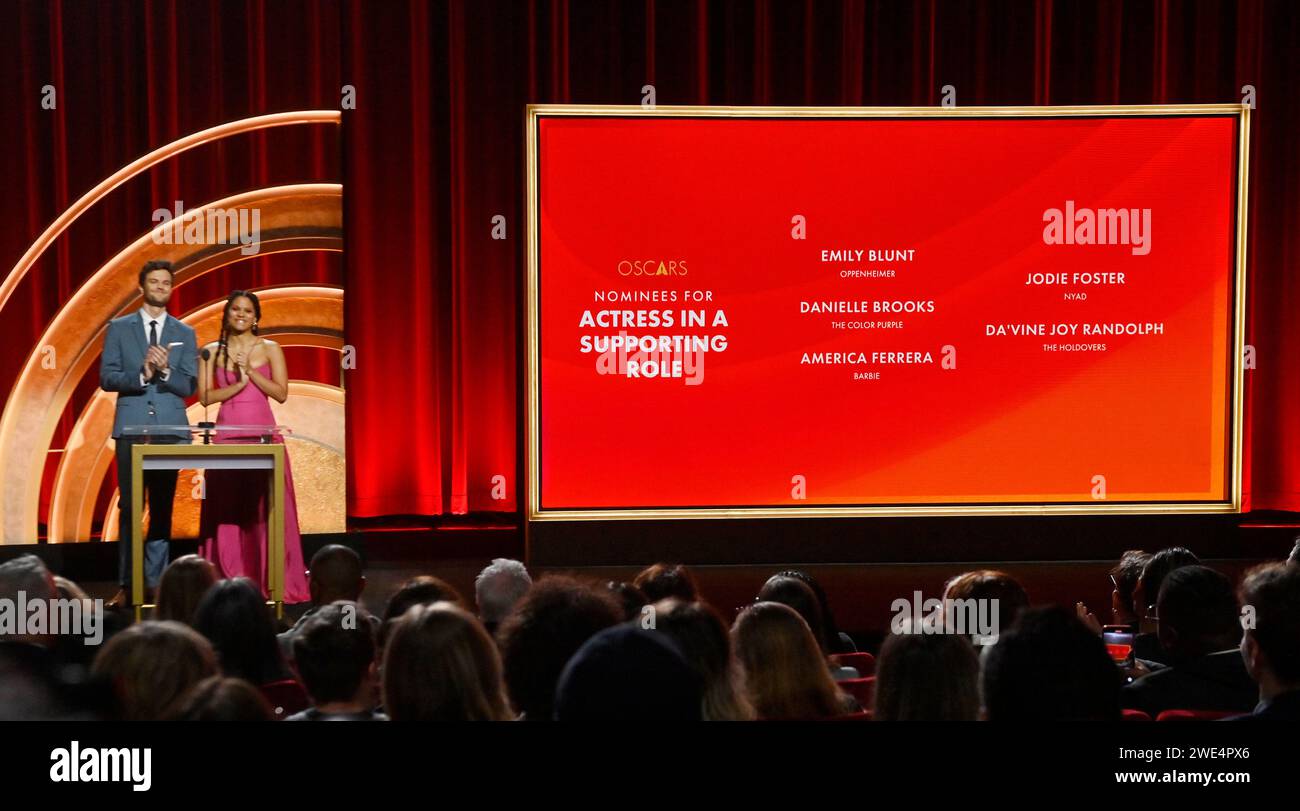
(223, 354)
(233, 616)
(927, 677)
(702, 637)
(440, 665)
(785, 673)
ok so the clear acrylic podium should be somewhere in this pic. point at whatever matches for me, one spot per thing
(237, 447)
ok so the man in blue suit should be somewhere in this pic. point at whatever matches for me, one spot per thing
(150, 360)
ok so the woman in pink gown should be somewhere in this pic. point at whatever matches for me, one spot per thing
(241, 373)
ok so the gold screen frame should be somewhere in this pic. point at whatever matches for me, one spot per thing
(534, 512)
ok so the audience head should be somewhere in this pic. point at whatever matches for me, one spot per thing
(335, 574)
(832, 630)
(26, 574)
(1050, 667)
(927, 673)
(628, 673)
(423, 590)
(543, 632)
(664, 580)
(182, 587)
(629, 596)
(786, 676)
(1271, 649)
(498, 587)
(704, 642)
(1157, 567)
(440, 665)
(334, 652)
(1124, 575)
(152, 666)
(234, 617)
(988, 584)
(1197, 613)
(798, 595)
(222, 698)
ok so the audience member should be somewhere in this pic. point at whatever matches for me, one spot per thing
(500, 585)
(799, 595)
(423, 590)
(1049, 667)
(234, 618)
(334, 653)
(183, 584)
(628, 673)
(1146, 645)
(703, 641)
(223, 698)
(1270, 646)
(989, 584)
(664, 580)
(927, 674)
(440, 665)
(836, 640)
(786, 677)
(334, 574)
(631, 598)
(543, 632)
(1199, 629)
(152, 666)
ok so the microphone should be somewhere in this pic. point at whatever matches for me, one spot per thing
(207, 426)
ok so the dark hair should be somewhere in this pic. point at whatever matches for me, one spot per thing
(336, 570)
(989, 584)
(632, 598)
(1198, 604)
(1273, 591)
(1157, 568)
(924, 676)
(440, 665)
(798, 595)
(628, 673)
(422, 590)
(1050, 667)
(1126, 573)
(222, 698)
(183, 585)
(156, 264)
(223, 353)
(705, 643)
(664, 580)
(234, 618)
(541, 634)
(333, 652)
(152, 667)
(832, 630)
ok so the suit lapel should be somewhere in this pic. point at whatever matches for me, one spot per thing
(141, 338)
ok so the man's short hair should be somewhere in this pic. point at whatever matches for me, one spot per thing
(498, 587)
(664, 580)
(1158, 568)
(1050, 667)
(1198, 603)
(337, 569)
(1273, 591)
(333, 651)
(156, 264)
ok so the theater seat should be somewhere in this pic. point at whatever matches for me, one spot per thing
(864, 663)
(286, 697)
(1194, 715)
(864, 690)
(1135, 715)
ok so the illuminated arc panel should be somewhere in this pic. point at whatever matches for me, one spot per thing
(293, 218)
(143, 163)
(316, 458)
(292, 315)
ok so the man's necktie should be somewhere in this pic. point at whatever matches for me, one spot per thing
(153, 333)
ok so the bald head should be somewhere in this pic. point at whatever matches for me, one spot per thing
(335, 575)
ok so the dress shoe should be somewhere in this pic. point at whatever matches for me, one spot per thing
(118, 600)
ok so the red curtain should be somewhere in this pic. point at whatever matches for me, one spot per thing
(433, 151)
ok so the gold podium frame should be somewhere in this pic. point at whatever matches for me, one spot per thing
(181, 456)
(533, 510)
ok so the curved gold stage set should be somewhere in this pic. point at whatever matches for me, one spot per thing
(298, 217)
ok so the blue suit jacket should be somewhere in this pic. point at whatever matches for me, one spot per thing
(158, 403)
